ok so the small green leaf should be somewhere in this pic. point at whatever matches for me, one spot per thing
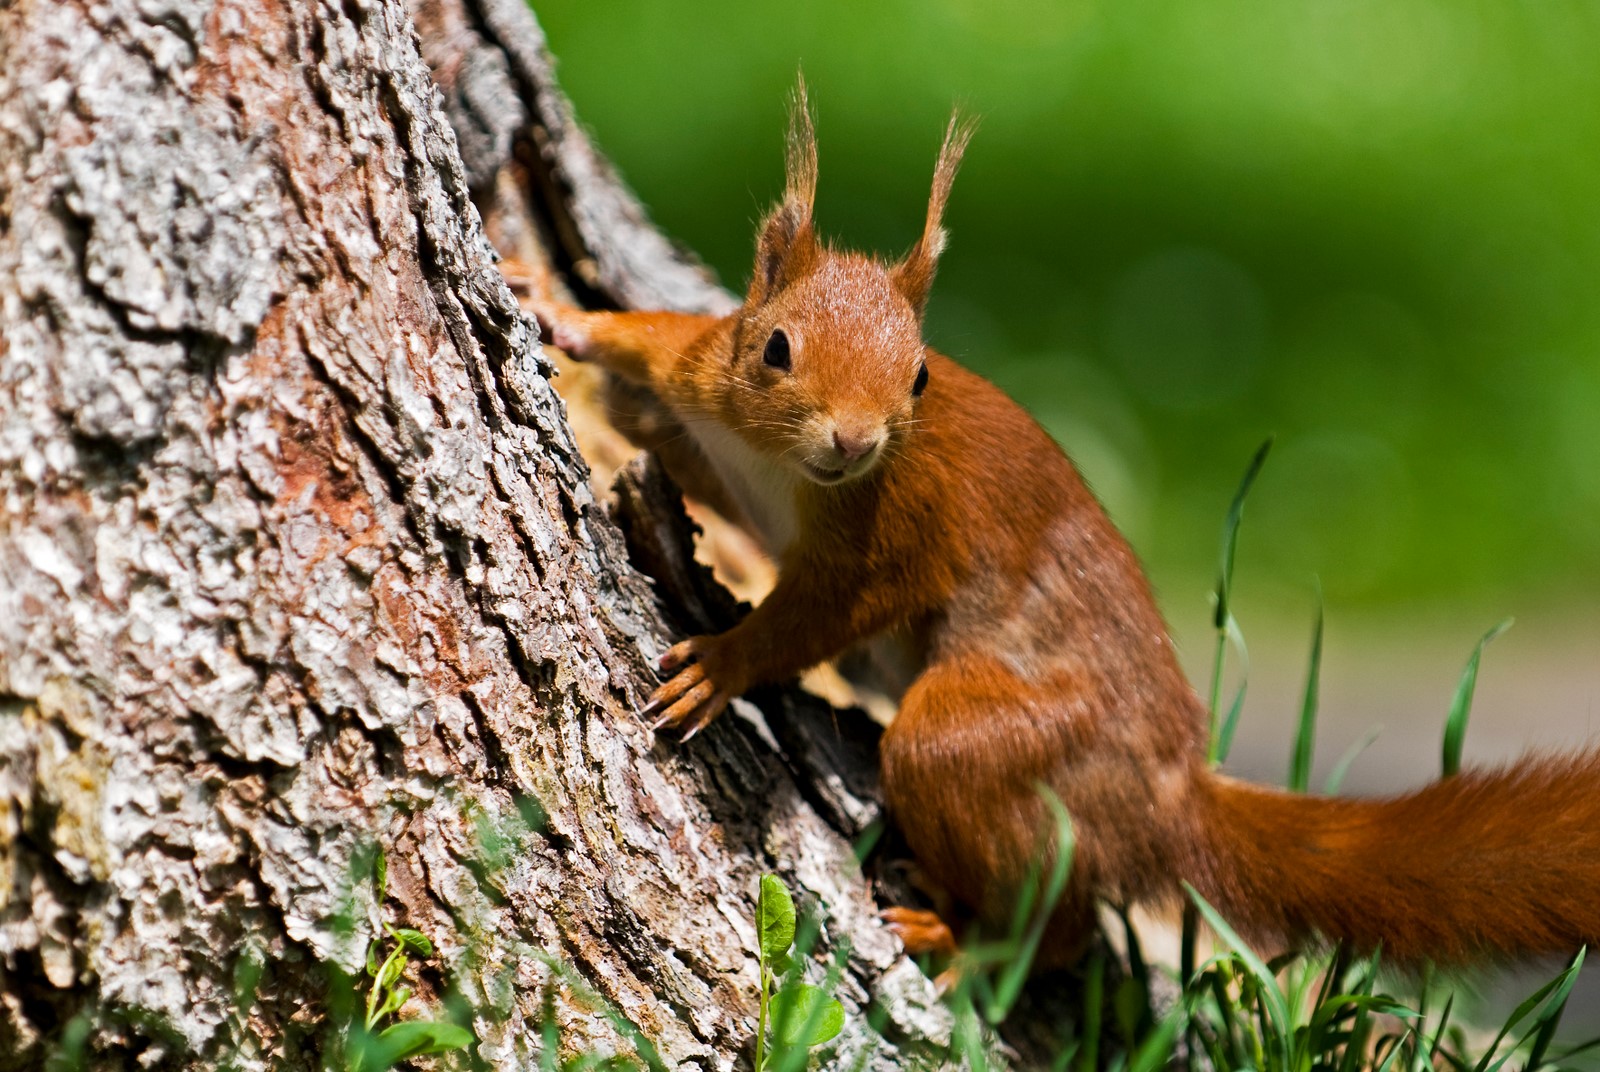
(774, 918)
(71, 1047)
(392, 969)
(415, 1038)
(414, 939)
(392, 1002)
(805, 1016)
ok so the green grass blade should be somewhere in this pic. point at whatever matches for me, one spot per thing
(1425, 991)
(1063, 1060)
(1231, 1034)
(1093, 1008)
(1340, 769)
(1138, 969)
(1020, 960)
(1582, 1047)
(1323, 1027)
(1439, 1032)
(1211, 1044)
(1354, 1048)
(1562, 983)
(1224, 734)
(549, 1029)
(1230, 722)
(1230, 534)
(1222, 596)
(1380, 1004)
(1306, 735)
(1156, 1050)
(1189, 940)
(1186, 954)
(1550, 1019)
(967, 1036)
(1271, 993)
(1455, 727)
(1394, 1051)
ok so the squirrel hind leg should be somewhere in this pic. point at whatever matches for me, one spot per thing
(922, 931)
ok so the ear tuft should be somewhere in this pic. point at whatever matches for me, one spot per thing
(914, 275)
(800, 150)
(787, 244)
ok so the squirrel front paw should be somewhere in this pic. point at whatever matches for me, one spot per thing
(698, 690)
(560, 325)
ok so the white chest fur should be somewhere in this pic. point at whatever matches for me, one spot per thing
(764, 490)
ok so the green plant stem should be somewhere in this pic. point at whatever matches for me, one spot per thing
(372, 995)
(761, 1016)
(1214, 746)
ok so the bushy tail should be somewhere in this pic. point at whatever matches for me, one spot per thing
(1489, 864)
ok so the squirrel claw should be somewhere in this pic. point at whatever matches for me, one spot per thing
(696, 689)
(680, 653)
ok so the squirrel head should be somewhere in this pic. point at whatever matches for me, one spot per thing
(829, 361)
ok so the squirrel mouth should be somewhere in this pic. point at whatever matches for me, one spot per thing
(824, 476)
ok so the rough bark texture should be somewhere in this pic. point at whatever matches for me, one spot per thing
(297, 556)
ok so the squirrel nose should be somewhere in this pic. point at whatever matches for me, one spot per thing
(852, 446)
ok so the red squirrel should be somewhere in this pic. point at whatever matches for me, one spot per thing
(910, 504)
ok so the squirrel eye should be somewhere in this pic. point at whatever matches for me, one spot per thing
(922, 381)
(776, 355)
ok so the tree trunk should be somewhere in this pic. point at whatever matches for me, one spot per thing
(299, 562)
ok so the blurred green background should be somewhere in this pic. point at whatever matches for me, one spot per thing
(1369, 227)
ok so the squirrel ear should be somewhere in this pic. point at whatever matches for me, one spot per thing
(913, 276)
(787, 245)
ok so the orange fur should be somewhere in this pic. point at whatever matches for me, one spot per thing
(964, 543)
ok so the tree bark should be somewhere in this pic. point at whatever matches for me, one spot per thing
(298, 559)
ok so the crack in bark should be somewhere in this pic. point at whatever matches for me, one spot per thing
(350, 406)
